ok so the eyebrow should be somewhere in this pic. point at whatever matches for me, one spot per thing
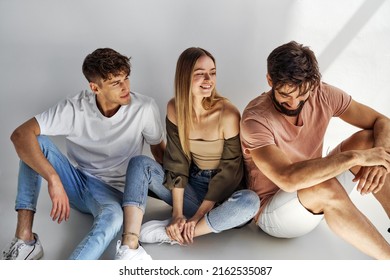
(289, 93)
(197, 69)
(284, 93)
(116, 80)
(113, 82)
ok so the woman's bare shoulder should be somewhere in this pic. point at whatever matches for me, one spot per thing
(171, 111)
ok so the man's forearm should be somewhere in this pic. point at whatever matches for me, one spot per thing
(308, 173)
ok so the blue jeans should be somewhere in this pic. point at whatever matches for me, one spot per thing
(86, 194)
(144, 173)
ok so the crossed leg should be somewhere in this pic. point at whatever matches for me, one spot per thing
(342, 216)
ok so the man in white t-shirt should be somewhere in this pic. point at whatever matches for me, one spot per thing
(104, 129)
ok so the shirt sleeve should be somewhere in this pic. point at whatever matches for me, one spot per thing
(58, 120)
(231, 172)
(153, 130)
(337, 99)
(255, 133)
(175, 163)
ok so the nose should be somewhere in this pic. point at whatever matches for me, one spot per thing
(126, 85)
(207, 76)
(293, 103)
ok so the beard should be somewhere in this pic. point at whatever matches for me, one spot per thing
(281, 109)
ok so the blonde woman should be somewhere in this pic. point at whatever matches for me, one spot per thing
(202, 177)
(202, 173)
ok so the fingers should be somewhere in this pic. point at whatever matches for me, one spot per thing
(358, 175)
(369, 182)
(361, 178)
(189, 232)
(174, 230)
(371, 179)
(60, 202)
(60, 211)
(380, 184)
(65, 211)
(54, 211)
(182, 231)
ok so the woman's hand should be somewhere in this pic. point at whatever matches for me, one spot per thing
(175, 228)
(189, 230)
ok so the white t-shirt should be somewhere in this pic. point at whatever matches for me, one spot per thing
(99, 145)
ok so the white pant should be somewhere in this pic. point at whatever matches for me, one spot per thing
(285, 217)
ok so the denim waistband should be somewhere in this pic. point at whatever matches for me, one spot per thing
(203, 172)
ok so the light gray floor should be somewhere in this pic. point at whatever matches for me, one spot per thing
(246, 243)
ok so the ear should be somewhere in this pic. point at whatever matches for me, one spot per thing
(269, 80)
(94, 87)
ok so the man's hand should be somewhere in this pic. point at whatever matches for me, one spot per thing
(371, 179)
(375, 167)
(377, 156)
(60, 203)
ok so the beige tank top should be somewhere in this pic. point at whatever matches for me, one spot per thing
(206, 154)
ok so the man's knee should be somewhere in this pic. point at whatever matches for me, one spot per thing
(139, 162)
(327, 194)
(112, 216)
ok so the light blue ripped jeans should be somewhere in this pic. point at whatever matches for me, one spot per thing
(86, 194)
(144, 173)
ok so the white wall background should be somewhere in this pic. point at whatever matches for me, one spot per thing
(43, 44)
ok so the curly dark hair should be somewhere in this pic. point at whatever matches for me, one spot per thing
(295, 65)
(104, 63)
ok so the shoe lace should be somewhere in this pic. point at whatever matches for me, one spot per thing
(13, 251)
(165, 239)
(119, 252)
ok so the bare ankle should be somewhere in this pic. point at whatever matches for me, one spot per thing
(130, 239)
(25, 235)
(24, 225)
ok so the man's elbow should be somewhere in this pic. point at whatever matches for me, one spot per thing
(16, 136)
(287, 183)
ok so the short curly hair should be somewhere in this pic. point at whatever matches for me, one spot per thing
(104, 63)
(295, 65)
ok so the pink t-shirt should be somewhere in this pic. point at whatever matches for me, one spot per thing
(263, 125)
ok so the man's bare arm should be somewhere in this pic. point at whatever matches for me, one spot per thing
(27, 147)
(290, 177)
(158, 151)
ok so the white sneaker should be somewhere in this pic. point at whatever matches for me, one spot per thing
(154, 232)
(123, 252)
(19, 250)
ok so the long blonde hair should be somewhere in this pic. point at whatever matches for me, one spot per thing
(183, 94)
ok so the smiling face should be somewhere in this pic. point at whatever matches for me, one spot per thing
(203, 77)
(289, 101)
(112, 93)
